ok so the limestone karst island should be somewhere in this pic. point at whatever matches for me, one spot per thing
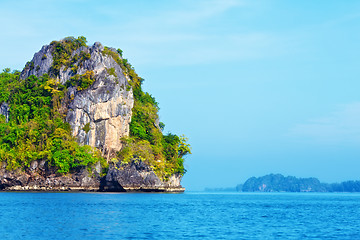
(76, 119)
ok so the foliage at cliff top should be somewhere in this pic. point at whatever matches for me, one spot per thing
(36, 129)
(62, 53)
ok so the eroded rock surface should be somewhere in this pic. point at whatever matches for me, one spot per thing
(138, 176)
(42, 177)
(99, 115)
(4, 110)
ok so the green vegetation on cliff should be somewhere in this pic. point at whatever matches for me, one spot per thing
(81, 82)
(62, 53)
(36, 129)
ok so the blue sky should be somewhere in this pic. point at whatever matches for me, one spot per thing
(258, 86)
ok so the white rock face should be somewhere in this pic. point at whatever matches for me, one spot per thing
(99, 115)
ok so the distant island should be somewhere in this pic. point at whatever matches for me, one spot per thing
(280, 183)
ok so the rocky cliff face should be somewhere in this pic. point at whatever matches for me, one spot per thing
(4, 110)
(137, 176)
(42, 177)
(133, 177)
(99, 115)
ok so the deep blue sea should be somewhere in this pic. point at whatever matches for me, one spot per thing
(179, 216)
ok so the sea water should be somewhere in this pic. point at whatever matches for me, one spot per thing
(179, 216)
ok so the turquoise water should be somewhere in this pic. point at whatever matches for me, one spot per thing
(179, 216)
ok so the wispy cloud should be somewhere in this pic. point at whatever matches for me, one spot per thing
(192, 13)
(176, 33)
(341, 126)
(186, 36)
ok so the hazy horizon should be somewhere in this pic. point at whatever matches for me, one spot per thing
(258, 87)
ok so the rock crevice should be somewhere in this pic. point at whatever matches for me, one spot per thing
(105, 107)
